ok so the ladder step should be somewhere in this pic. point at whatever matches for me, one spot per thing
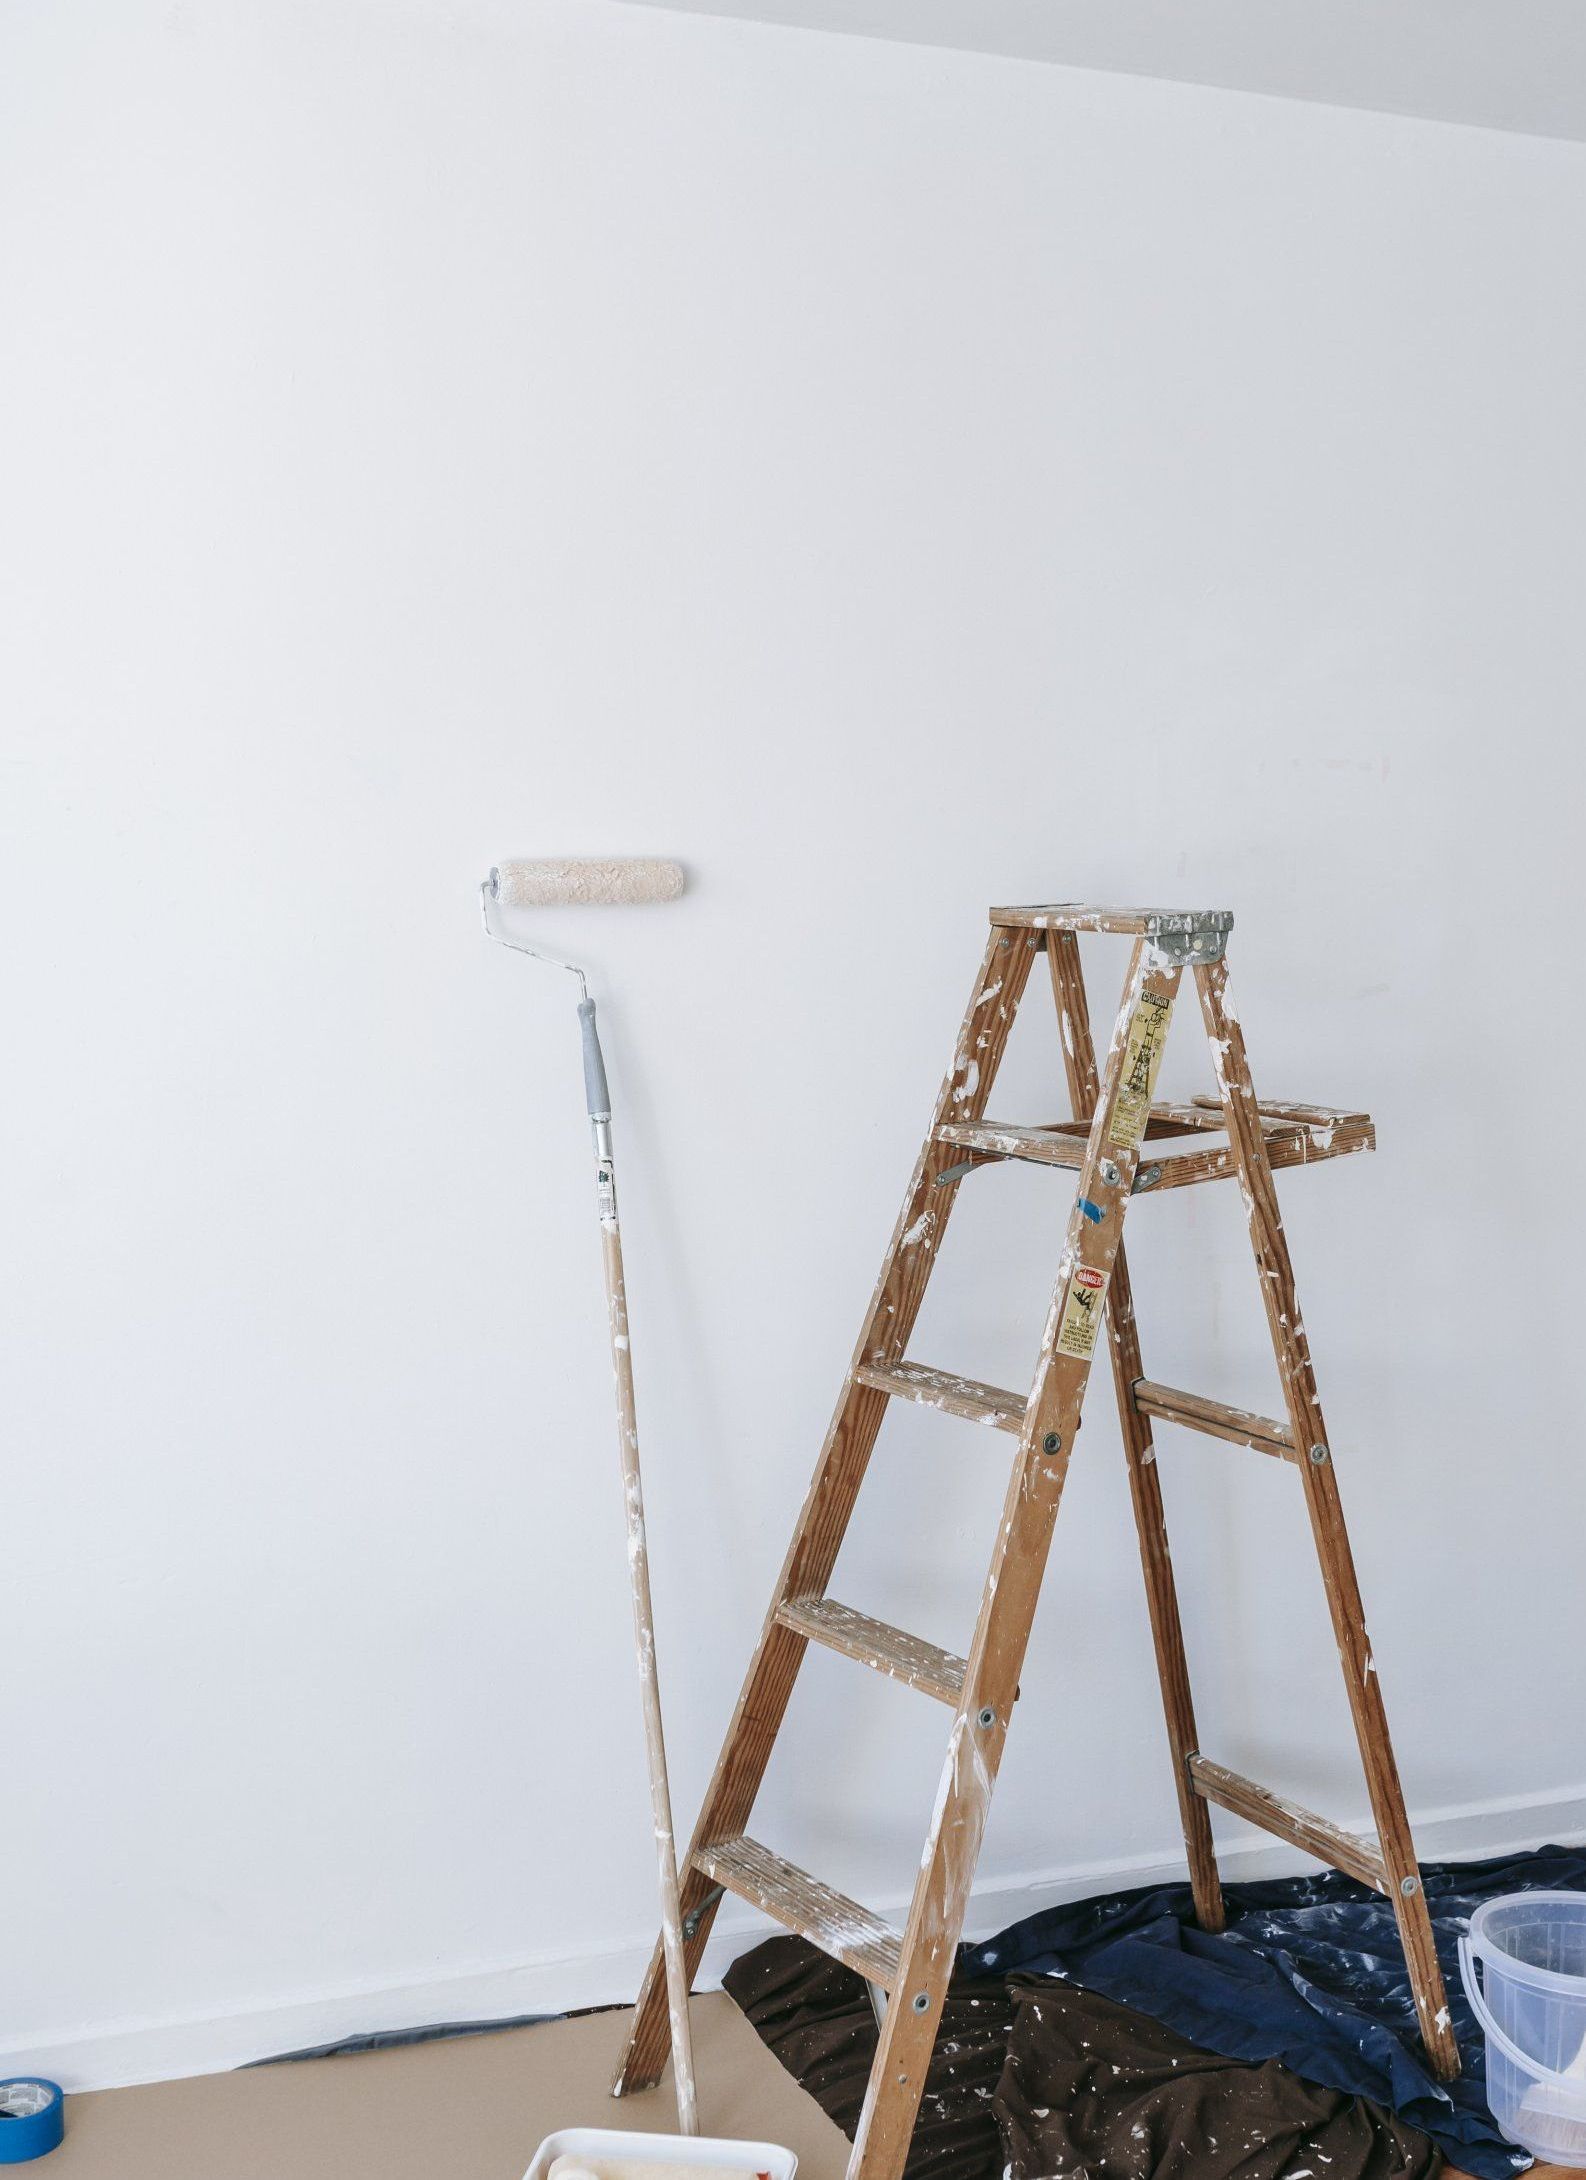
(941, 1389)
(1290, 1141)
(790, 1896)
(1330, 1843)
(1202, 1116)
(1197, 1413)
(1281, 1112)
(906, 1657)
(1055, 1146)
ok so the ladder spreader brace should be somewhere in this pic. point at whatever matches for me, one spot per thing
(1114, 1116)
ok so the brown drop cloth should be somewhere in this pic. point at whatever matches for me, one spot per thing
(1032, 2079)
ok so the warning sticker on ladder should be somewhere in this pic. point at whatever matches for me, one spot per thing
(1076, 1335)
(1142, 1056)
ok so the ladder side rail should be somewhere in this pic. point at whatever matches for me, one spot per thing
(1013, 1585)
(829, 1503)
(1145, 1488)
(1325, 1509)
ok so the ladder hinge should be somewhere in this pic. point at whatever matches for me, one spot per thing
(1195, 941)
(956, 1173)
(696, 1916)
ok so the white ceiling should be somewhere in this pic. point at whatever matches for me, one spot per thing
(1500, 64)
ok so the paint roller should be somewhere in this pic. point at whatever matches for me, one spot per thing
(627, 883)
(630, 882)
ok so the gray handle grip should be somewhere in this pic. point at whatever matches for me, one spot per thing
(596, 1096)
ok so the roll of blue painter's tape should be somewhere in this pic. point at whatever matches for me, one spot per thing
(32, 2119)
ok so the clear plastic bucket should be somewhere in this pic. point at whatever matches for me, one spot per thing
(1530, 1997)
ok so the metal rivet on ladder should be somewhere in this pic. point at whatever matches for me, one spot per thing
(1109, 1172)
(1148, 1177)
(1409, 1886)
(922, 2001)
(1318, 1455)
(987, 1717)
(1051, 1443)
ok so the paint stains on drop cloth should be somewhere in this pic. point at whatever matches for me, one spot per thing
(1036, 2080)
(1090, 2087)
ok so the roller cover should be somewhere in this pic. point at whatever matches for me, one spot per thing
(551, 884)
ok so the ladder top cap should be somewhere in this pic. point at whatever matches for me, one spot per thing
(1146, 923)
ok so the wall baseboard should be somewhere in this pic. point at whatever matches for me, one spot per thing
(118, 2055)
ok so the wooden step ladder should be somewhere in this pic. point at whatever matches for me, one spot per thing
(1117, 1145)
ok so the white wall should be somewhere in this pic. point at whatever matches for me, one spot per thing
(892, 481)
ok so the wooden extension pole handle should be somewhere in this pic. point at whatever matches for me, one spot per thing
(644, 1632)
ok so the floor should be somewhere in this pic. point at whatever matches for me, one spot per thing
(474, 2108)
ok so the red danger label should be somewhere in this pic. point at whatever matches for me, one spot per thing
(1076, 1335)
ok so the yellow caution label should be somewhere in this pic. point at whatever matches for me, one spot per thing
(1142, 1056)
(1076, 1335)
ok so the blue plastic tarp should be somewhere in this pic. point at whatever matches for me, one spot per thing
(1309, 1971)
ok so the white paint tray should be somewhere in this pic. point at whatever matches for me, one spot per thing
(611, 2142)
